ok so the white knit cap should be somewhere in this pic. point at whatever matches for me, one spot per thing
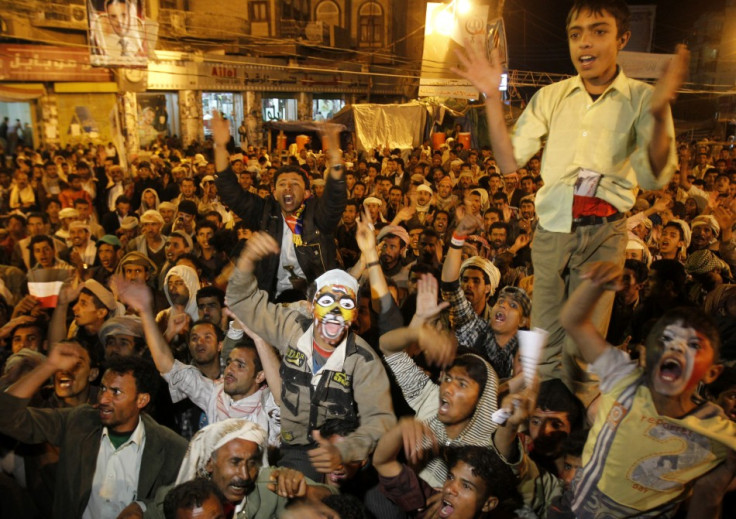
(337, 277)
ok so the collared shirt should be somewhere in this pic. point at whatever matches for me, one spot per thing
(209, 395)
(287, 258)
(115, 483)
(609, 136)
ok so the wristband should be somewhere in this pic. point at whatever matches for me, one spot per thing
(457, 241)
(372, 264)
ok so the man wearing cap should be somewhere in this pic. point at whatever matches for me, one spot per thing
(151, 243)
(186, 217)
(305, 228)
(491, 331)
(705, 232)
(122, 335)
(168, 212)
(83, 250)
(108, 254)
(327, 371)
(66, 217)
(94, 305)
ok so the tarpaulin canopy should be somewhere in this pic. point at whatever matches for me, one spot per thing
(377, 126)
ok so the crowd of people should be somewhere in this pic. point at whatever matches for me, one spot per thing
(216, 332)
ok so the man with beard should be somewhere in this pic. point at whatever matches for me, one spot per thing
(327, 370)
(210, 303)
(392, 242)
(180, 287)
(240, 393)
(110, 456)
(107, 258)
(178, 244)
(229, 454)
(83, 250)
(304, 227)
(151, 242)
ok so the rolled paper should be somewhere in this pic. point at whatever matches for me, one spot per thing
(531, 344)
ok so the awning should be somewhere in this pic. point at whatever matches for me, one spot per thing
(17, 93)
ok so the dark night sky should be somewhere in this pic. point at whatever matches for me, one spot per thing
(536, 36)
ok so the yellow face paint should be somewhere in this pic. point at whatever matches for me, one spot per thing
(335, 296)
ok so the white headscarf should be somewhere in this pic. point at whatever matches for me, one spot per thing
(189, 275)
(208, 440)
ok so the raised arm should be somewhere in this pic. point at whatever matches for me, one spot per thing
(438, 346)
(409, 434)
(138, 297)
(661, 143)
(467, 226)
(485, 75)
(57, 326)
(62, 357)
(576, 314)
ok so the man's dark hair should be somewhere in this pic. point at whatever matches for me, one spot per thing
(72, 177)
(122, 199)
(616, 8)
(574, 443)
(500, 225)
(18, 217)
(338, 426)
(143, 371)
(672, 271)
(42, 216)
(218, 332)
(215, 214)
(428, 231)
(39, 239)
(211, 291)
(189, 495)
(353, 202)
(639, 268)
(291, 169)
(202, 224)
(476, 369)
(555, 396)
(53, 199)
(484, 463)
(247, 343)
(500, 195)
(81, 201)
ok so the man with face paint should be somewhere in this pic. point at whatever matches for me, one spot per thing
(652, 436)
(328, 372)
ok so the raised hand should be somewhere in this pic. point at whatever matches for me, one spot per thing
(428, 308)
(220, 129)
(69, 292)
(485, 75)
(137, 296)
(665, 91)
(65, 356)
(365, 234)
(439, 347)
(414, 433)
(258, 247)
(468, 223)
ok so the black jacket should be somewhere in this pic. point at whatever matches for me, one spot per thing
(321, 216)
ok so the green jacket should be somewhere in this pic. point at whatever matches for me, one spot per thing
(77, 431)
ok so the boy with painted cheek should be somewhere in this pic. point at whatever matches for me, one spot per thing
(335, 309)
(653, 437)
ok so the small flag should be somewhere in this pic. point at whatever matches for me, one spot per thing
(45, 285)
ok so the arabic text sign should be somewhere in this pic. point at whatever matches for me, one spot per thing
(48, 63)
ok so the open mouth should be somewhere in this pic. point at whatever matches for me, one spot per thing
(332, 326)
(444, 406)
(288, 199)
(105, 412)
(586, 61)
(670, 370)
(499, 317)
(447, 509)
(64, 381)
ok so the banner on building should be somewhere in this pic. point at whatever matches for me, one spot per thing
(117, 33)
(448, 28)
(47, 63)
(153, 118)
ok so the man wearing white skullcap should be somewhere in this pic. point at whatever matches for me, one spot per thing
(251, 490)
(327, 371)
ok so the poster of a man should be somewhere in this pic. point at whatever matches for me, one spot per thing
(117, 33)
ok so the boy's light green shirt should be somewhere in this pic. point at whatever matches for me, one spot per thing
(610, 136)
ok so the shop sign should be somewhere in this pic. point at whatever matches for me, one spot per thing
(48, 63)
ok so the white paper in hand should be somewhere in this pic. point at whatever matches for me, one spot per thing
(531, 344)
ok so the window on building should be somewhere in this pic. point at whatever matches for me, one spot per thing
(328, 12)
(370, 25)
(258, 11)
